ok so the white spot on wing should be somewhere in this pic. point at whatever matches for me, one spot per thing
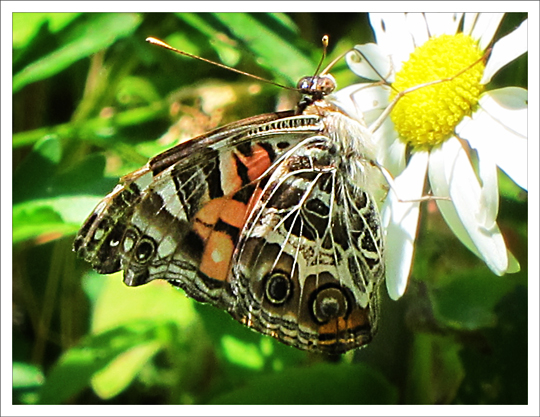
(128, 244)
(99, 234)
(217, 256)
(167, 247)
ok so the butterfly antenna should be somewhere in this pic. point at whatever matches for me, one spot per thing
(331, 64)
(323, 57)
(157, 42)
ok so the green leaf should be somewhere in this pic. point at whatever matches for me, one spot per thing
(53, 217)
(436, 370)
(120, 305)
(27, 380)
(26, 25)
(26, 375)
(496, 364)
(113, 379)
(50, 149)
(159, 301)
(510, 189)
(32, 177)
(94, 128)
(225, 48)
(100, 32)
(467, 301)
(183, 42)
(242, 349)
(319, 384)
(77, 365)
(243, 354)
(136, 91)
(271, 41)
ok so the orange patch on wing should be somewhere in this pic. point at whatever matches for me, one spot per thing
(210, 212)
(207, 217)
(254, 200)
(202, 230)
(233, 213)
(217, 256)
(333, 326)
(230, 211)
(230, 180)
(257, 163)
(218, 245)
(357, 318)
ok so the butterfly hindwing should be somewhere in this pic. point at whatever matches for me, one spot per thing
(308, 264)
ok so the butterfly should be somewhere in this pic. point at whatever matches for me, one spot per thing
(271, 218)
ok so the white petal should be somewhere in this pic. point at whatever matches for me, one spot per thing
(465, 194)
(372, 57)
(438, 178)
(506, 50)
(499, 129)
(485, 26)
(401, 221)
(443, 23)
(374, 100)
(418, 28)
(364, 102)
(489, 198)
(392, 36)
(468, 22)
(390, 149)
(487, 171)
(509, 106)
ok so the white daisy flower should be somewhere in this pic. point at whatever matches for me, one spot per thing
(441, 125)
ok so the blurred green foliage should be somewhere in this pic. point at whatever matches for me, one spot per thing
(92, 101)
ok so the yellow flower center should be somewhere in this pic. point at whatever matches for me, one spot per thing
(427, 117)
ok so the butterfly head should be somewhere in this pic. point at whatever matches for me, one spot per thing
(317, 86)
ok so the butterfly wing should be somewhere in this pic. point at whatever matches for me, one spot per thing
(178, 218)
(309, 261)
(259, 218)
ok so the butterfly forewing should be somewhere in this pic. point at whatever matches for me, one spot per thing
(159, 220)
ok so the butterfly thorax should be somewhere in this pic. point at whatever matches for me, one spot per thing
(353, 144)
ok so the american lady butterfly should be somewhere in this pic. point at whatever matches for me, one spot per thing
(271, 218)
